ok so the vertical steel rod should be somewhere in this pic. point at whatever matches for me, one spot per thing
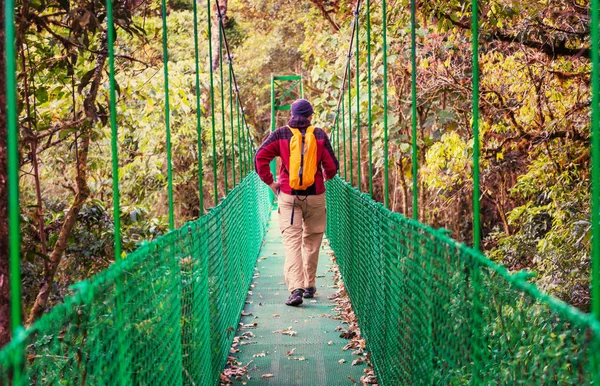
(167, 114)
(415, 155)
(385, 109)
(595, 151)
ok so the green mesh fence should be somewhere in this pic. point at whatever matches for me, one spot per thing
(166, 314)
(436, 312)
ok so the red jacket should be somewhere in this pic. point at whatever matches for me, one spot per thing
(278, 144)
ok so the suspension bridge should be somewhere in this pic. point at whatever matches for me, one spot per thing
(432, 310)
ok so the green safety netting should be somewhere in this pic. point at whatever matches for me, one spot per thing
(436, 312)
(166, 314)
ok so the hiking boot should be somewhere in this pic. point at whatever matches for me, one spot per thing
(295, 298)
(310, 292)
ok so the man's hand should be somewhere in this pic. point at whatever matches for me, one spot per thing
(274, 187)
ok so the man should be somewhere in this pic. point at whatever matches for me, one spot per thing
(301, 212)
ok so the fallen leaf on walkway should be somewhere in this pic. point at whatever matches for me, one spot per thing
(342, 361)
(246, 313)
(313, 301)
(250, 293)
(347, 334)
(260, 355)
(275, 315)
(262, 258)
(358, 361)
(250, 325)
(291, 351)
(259, 295)
(247, 335)
(297, 358)
(369, 379)
(267, 376)
(330, 342)
(287, 331)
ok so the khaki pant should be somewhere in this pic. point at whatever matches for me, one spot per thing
(302, 239)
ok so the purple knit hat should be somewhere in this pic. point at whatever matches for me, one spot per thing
(302, 108)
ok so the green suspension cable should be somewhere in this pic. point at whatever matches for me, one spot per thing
(12, 152)
(231, 122)
(222, 102)
(198, 111)
(241, 157)
(167, 114)
(350, 120)
(342, 100)
(595, 151)
(358, 181)
(249, 141)
(212, 106)
(413, 57)
(385, 109)
(370, 116)
(237, 89)
(337, 137)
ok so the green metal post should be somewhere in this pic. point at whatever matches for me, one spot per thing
(231, 122)
(122, 357)
(273, 124)
(212, 106)
(477, 310)
(415, 158)
(595, 151)
(475, 44)
(370, 122)
(356, 17)
(198, 111)
(301, 89)
(350, 121)
(167, 114)
(114, 130)
(12, 153)
(385, 108)
(223, 103)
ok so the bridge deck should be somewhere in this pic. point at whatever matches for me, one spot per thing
(317, 347)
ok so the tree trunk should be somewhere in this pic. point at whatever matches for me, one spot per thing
(4, 269)
(83, 191)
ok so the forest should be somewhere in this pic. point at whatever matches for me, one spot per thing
(535, 117)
